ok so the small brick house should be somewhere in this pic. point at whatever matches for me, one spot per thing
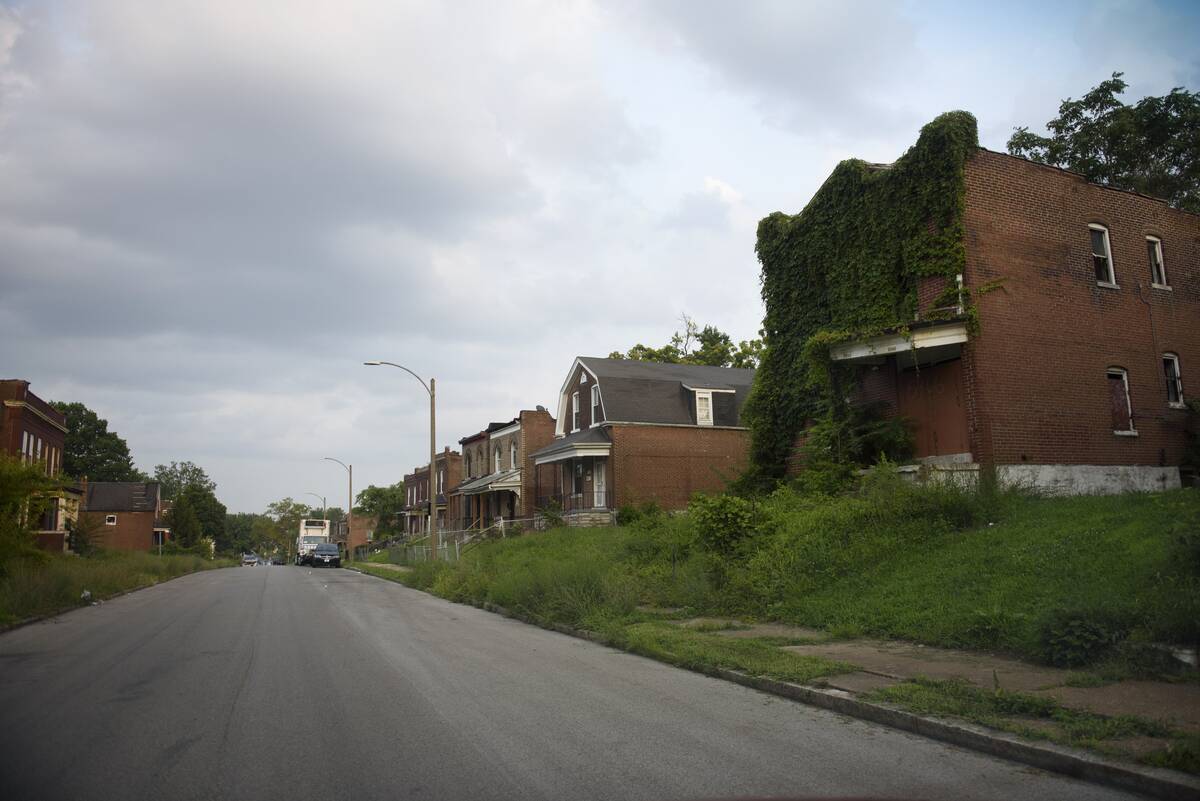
(128, 515)
(448, 472)
(629, 432)
(1074, 380)
(498, 473)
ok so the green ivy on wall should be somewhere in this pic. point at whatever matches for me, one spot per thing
(848, 266)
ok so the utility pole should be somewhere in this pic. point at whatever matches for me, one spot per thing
(433, 526)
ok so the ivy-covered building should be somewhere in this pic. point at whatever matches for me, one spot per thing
(1017, 315)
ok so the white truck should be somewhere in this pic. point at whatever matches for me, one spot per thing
(312, 533)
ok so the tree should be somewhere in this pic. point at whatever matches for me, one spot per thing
(385, 504)
(1152, 147)
(695, 345)
(92, 450)
(267, 536)
(238, 532)
(179, 476)
(25, 492)
(186, 531)
(209, 512)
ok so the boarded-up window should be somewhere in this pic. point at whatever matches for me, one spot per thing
(1118, 399)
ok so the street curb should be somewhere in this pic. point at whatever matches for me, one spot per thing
(1157, 782)
(29, 621)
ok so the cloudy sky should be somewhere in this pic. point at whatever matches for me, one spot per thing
(212, 212)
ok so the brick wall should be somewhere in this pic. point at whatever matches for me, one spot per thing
(134, 531)
(1035, 376)
(537, 431)
(668, 464)
(22, 411)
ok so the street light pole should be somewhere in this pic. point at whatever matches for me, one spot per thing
(322, 497)
(431, 388)
(349, 507)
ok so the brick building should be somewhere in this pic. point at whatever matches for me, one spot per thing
(448, 471)
(630, 432)
(128, 515)
(1074, 380)
(498, 473)
(34, 432)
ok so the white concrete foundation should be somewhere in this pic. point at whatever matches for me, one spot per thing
(1088, 479)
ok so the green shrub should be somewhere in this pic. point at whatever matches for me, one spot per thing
(1070, 637)
(722, 522)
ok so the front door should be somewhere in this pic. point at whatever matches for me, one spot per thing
(599, 486)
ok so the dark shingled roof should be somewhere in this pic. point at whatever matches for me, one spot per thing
(649, 392)
(122, 496)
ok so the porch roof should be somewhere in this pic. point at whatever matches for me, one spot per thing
(589, 442)
(942, 336)
(504, 480)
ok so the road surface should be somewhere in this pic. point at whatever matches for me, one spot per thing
(292, 683)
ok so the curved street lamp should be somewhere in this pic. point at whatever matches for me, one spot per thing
(350, 508)
(322, 497)
(431, 388)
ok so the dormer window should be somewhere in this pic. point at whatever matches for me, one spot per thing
(582, 378)
(595, 404)
(704, 415)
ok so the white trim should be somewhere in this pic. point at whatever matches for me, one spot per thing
(672, 425)
(575, 452)
(1181, 403)
(931, 337)
(560, 422)
(512, 454)
(596, 400)
(1124, 374)
(1112, 269)
(708, 389)
(504, 432)
(574, 411)
(110, 520)
(19, 404)
(1162, 262)
(706, 395)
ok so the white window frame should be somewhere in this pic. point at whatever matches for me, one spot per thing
(496, 460)
(1112, 269)
(707, 396)
(575, 411)
(1158, 254)
(1177, 404)
(1124, 374)
(110, 520)
(512, 454)
(595, 404)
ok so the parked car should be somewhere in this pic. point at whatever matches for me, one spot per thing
(277, 560)
(326, 554)
(249, 560)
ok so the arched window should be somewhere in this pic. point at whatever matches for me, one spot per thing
(512, 454)
(496, 456)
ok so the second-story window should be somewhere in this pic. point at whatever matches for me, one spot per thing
(575, 411)
(512, 454)
(595, 403)
(1158, 270)
(704, 409)
(496, 460)
(1174, 380)
(1102, 256)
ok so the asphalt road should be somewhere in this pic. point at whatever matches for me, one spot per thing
(291, 683)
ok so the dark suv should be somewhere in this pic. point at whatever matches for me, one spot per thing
(326, 554)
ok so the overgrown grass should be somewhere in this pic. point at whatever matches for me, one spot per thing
(31, 588)
(1079, 581)
(1041, 718)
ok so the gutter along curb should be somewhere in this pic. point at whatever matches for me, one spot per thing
(1158, 782)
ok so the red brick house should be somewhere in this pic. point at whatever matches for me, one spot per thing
(448, 472)
(630, 432)
(34, 432)
(128, 514)
(498, 473)
(1075, 378)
